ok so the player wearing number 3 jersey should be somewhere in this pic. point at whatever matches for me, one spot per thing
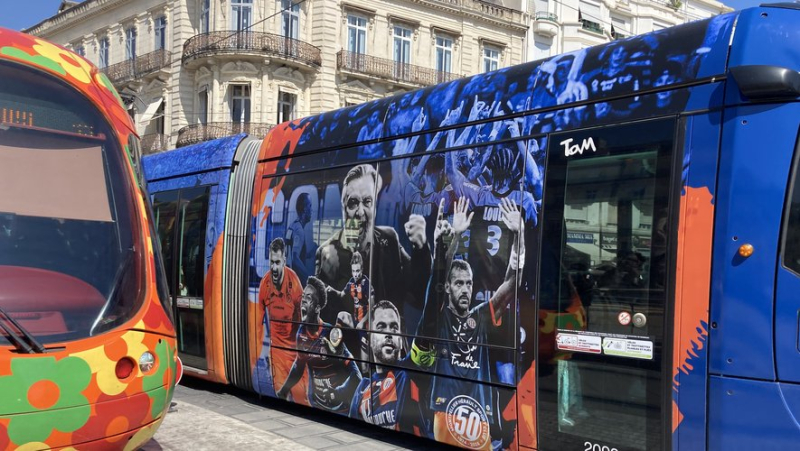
(463, 410)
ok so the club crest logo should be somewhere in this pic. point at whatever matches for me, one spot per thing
(467, 422)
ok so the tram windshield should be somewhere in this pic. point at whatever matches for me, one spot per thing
(70, 265)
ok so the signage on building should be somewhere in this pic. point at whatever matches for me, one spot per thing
(580, 237)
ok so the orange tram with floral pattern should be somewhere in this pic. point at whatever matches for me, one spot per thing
(87, 348)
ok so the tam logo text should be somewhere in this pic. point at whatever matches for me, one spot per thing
(572, 149)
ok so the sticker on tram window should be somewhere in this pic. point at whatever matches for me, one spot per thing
(578, 342)
(623, 347)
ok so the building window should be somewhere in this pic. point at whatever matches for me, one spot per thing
(103, 53)
(130, 43)
(444, 54)
(161, 32)
(286, 106)
(356, 42)
(589, 16)
(80, 50)
(290, 27)
(402, 52)
(202, 106)
(620, 27)
(402, 44)
(491, 59)
(541, 6)
(240, 103)
(291, 19)
(158, 119)
(356, 34)
(205, 16)
(241, 11)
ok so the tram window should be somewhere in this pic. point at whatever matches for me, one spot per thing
(194, 209)
(165, 208)
(791, 250)
(609, 256)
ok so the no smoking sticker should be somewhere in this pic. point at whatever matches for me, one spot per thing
(624, 318)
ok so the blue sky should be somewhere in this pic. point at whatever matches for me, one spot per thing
(18, 14)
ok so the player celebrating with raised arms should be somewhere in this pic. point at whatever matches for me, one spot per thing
(459, 332)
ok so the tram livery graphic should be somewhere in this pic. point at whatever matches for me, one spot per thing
(597, 251)
(88, 354)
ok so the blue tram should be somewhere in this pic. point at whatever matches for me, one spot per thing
(597, 251)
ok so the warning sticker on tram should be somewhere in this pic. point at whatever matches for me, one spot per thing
(623, 347)
(578, 343)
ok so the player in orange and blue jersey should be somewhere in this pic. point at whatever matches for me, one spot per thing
(279, 296)
(358, 289)
(322, 355)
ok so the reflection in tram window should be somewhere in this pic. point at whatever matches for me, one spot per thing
(608, 232)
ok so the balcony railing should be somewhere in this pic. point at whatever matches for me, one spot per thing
(591, 26)
(616, 35)
(390, 69)
(546, 16)
(138, 67)
(217, 42)
(153, 143)
(196, 133)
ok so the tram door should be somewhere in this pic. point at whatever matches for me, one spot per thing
(181, 217)
(602, 299)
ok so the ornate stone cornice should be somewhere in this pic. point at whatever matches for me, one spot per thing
(495, 15)
(73, 16)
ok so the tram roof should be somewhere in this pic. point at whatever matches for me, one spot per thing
(202, 157)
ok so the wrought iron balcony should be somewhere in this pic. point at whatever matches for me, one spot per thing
(138, 67)
(154, 142)
(237, 42)
(195, 133)
(591, 26)
(391, 70)
(546, 16)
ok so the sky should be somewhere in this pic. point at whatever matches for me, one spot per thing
(19, 14)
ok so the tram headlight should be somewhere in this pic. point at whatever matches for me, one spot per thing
(147, 362)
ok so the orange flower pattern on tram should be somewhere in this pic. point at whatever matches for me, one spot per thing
(49, 391)
(79, 72)
(75, 66)
(54, 58)
(75, 399)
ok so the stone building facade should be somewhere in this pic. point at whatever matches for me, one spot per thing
(193, 70)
